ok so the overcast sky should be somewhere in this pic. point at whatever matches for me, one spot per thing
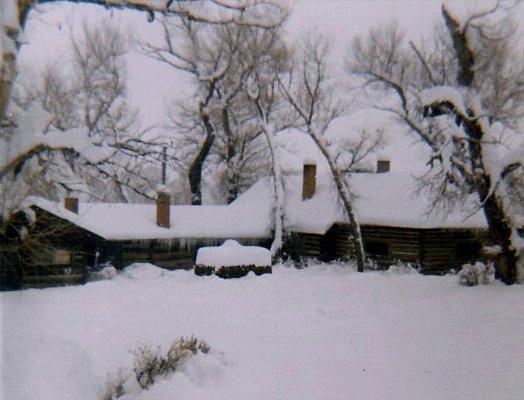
(152, 85)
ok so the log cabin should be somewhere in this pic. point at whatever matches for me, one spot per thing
(396, 224)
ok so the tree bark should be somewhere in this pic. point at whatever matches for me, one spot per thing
(465, 56)
(195, 171)
(232, 173)
(356, 236)
(499, 228)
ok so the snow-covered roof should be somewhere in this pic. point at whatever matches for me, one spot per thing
(386, 199)
(125, 221)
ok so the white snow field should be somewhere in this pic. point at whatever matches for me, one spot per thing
(324, 332)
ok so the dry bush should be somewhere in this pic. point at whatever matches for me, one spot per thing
(150, 364)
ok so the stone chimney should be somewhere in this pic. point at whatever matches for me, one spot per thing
(309, 183)
(71, 204)
(383, 165)
(163, 208)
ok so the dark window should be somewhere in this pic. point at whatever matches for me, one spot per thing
(467, 251)
(376, 249)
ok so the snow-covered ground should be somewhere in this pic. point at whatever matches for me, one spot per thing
(325, 332)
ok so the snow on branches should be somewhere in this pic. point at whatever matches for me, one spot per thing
(462, 95)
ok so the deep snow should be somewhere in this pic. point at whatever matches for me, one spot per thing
(323, 332)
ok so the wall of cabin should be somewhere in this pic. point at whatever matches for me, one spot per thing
(169, 254)
(435, 251)
(454, 248)
(52, 251)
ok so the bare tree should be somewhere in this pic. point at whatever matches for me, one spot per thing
(309, 90)
(91, 98)
(13, 19)
(473, 75)
(237, 158)
(266, 13)
(268, 59)
(207, 53)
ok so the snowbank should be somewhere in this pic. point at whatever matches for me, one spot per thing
(232, 253)
(323, 332)
(143, 271)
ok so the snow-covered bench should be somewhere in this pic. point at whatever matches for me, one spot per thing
(232, 260)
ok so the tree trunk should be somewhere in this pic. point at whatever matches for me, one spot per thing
(278, 189)
(500, 233)
(499, 228)
(195, 171)
(232, 173)
(356, 236)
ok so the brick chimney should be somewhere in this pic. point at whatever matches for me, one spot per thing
(309, 182)
(163, 208)
(383, 165)
(71, 204)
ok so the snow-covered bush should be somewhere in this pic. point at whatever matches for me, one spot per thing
(143, 271)
(475, 274)
(402, 268)
(149, 364)
(106, 272)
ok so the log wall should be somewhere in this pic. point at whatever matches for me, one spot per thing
(54, 251)
(444, 248)
(434, 251)
(402, 243)
(301, 246)
(169, 254)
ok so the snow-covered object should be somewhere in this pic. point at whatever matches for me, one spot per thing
(143, 271)
(107, 272)
(125, 221)
(324, 325)
(386, 199)
(444, 94)
(475, 274)
(500, 148)
(34, 130)
(232, 253)
(402, 268)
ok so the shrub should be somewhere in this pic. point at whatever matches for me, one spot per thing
(150, 364)
(475, 274)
